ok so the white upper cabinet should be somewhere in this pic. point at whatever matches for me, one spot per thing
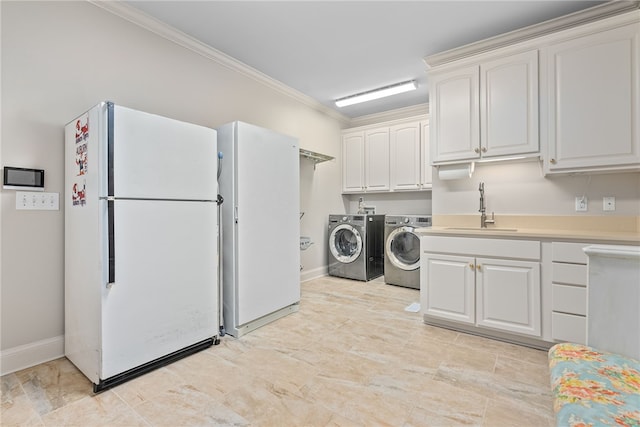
(376, 152)
(592, 95)
(386, 158)
(405, 156)
(353, 162)
(509, 105)
(487, 110)
(567, 90)
(426, 180)
(454, 114)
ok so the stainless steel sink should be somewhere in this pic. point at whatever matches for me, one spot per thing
(481, 229)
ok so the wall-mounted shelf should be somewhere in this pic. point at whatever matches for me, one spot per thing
(315, 157)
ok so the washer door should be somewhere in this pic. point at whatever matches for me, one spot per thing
(345, 243)
(403, 248)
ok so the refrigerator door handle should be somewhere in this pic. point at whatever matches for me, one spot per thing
(111, 241)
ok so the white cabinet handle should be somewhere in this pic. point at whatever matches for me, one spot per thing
(484, 149)
(471, 266)
(477, 150)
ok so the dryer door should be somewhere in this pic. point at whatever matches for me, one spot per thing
(403, 248)
(345, 243)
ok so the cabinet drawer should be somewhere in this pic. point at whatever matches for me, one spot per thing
(569, 252)
(569, 299)
(499, 248)
(573, 274)
(569, 327)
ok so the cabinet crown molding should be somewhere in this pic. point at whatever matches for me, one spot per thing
(591, 14)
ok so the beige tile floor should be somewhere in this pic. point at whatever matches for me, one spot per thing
(350, 357)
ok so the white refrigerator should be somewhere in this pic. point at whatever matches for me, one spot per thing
(260, 223)
(141, 227)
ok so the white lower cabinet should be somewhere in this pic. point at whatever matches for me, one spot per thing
(474, 283)
(450, 290)
(508, 295)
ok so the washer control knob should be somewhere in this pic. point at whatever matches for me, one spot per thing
(344, 218)
(406, 220)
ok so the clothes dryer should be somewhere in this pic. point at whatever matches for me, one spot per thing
(402, 249)
(356, 246)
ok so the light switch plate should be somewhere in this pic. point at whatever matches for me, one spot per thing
(29, 200)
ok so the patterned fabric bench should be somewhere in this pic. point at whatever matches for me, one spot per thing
(594, 388)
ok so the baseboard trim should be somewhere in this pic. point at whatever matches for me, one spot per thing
(28, 355)
(305, 276)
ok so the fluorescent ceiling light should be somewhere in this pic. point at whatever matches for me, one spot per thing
(377, 93)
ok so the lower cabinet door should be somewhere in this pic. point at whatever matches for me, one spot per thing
(508, 295)
(449, 291)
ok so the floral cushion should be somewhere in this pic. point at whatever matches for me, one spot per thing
(594, 388)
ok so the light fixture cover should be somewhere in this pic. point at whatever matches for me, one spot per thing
(377, 93)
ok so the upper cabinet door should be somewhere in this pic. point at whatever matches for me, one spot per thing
(405, 156)
(425, 150)
(454, 107)
(509, 105)
(593, 90)
(353, 162)
(376, 152)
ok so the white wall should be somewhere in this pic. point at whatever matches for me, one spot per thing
(397, 203)
(521, 189)
(61, 58)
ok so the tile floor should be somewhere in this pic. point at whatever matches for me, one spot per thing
(350, 357)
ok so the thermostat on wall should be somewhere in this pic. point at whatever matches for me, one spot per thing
(23, 179)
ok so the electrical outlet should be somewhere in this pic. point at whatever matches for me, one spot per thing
(581, 204)
(608, 203)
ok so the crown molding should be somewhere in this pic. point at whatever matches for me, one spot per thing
(575, 19)
(397, 114)
(165, 31)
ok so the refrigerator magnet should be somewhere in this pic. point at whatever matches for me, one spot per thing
(82, 128)
(81, 158)
(78, 194)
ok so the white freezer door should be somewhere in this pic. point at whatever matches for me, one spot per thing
(165, 294)
(268, 226)
(160, 158)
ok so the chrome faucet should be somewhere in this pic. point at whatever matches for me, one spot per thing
(483, 214)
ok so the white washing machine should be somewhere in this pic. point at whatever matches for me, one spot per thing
(356, 246)
(402, 249)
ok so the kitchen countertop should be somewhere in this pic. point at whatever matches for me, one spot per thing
(610, 229)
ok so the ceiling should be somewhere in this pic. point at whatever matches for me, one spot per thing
(332, 49)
